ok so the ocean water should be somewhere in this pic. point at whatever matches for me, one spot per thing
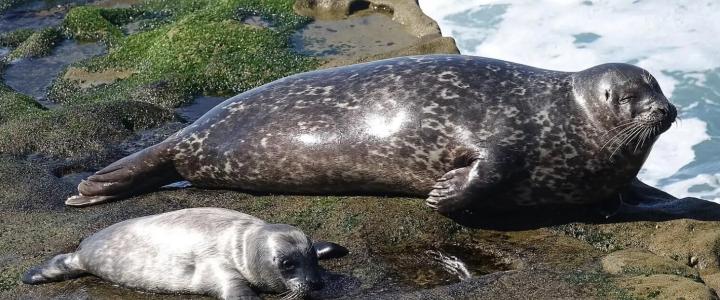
(677, 41)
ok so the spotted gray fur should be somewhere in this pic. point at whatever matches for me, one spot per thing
(462, 128)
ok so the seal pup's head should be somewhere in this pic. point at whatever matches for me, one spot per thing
(626, 103)
(280, 258)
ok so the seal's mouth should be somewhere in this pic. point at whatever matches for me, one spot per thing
(670, 118)
(661, 119)
(296, 291)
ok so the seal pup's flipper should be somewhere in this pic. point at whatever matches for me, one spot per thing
(139, 172)
(328, 250)
(59, 268)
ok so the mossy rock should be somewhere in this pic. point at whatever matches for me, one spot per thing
(87, 23)
(602, 285)
(201, 47)
(14, 38)
(14, 105)
(163, 93)
(26, 187)
(599, 239)
(38, 44)
(79, 132)
(7, 4)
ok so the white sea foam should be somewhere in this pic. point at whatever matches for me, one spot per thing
(660, 36)
(673, 150)
(709, 187)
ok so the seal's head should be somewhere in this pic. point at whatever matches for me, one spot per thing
(280, 258)
(625, 103)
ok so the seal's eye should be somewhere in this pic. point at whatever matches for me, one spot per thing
(626, 99)
(287, 265)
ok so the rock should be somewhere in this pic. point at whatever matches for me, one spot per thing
(501, 285)
(30, 187)
(643, 262)
(204, 47)
(428, 44)
(405, 12)
(664, 286)
(14, 38)
(712, 280)
(163, 93)
(14, 105)
(87, 79)
(87, 23)
(38, 44)
(7, 4)
(81, 133)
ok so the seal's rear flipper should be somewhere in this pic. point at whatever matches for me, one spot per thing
(59, 268)
(140, 172)
(328, 250)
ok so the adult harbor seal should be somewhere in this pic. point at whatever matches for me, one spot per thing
(199, 250)
(468, 131)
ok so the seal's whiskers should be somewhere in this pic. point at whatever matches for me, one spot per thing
(622, 134)
(627, 139)
(627, 127)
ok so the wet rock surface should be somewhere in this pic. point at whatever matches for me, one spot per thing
(642, 262)
(663, 286)
(33, 76)
(154, 66)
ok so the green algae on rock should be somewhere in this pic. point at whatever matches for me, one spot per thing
(14, 105)
(14, 38)
(84, 132)
(39, 43)
(6, 4)
(202, 47)
(87, 23)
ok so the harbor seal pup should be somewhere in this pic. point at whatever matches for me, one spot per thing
(199, 250)
(467, 131)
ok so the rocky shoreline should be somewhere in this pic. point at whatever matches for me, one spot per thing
(162, 55)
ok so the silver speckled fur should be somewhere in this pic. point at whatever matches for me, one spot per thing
(200, 250)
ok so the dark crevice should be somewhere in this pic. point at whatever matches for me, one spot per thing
(359, 5)
(364, 6)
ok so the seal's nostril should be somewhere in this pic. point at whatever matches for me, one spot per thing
(663, 110)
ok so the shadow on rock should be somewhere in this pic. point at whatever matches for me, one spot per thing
(640, 202)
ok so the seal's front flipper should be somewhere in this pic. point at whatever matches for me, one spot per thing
(140, 172)
(328, 250)
(59, 268)
(609, 207)
(455, 190)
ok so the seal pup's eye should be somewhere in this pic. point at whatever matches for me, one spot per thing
(626, 99)
(607, 94)
(287, 265)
